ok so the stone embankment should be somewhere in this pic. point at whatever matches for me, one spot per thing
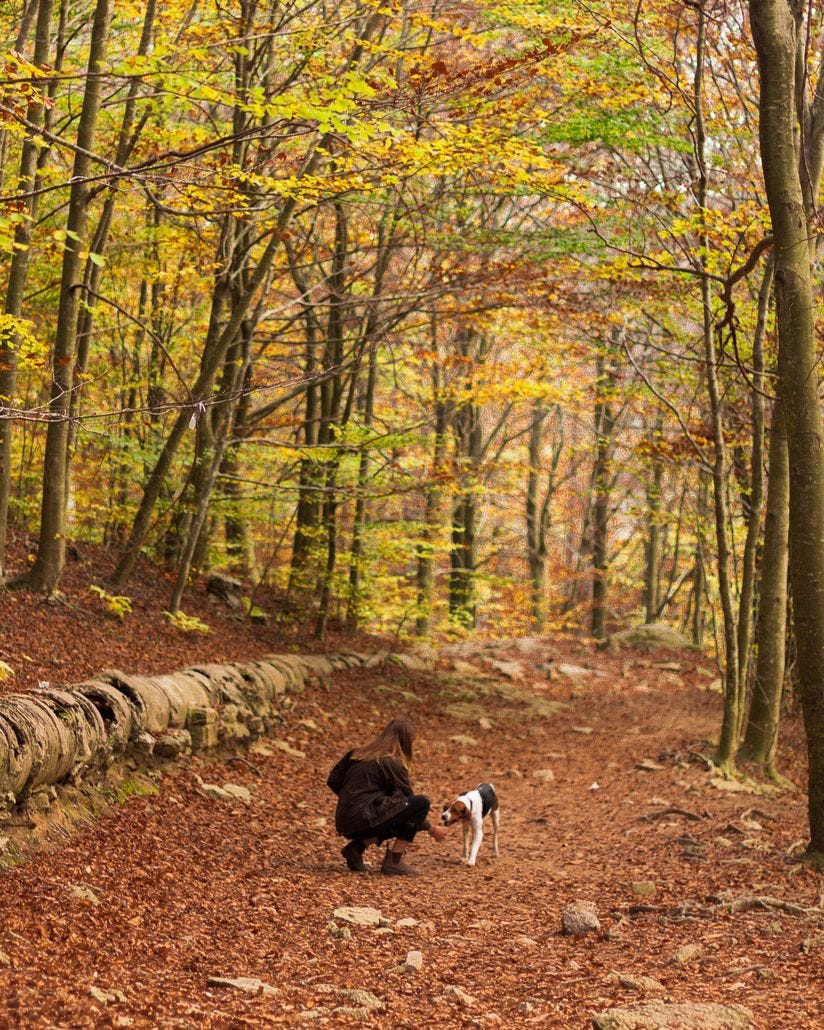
(94, 732)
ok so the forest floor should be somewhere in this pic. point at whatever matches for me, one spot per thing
(171, 889)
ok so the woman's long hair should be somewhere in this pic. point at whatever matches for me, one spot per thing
(394, 741)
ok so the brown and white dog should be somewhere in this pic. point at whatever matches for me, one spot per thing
(469, 810)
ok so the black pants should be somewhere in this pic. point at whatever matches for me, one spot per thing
(404, 825)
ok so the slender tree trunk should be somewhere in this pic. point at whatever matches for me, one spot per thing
(652, 548)
(761, 736)
(535, 524)
(605, 373)
(48, 563)
(699, 573)
(425, 574)
(212, 463)
(746, 601)
(19, 268)
(353, 611)
(733, 700)
(468, 440)
(781, 100)
(331, 395)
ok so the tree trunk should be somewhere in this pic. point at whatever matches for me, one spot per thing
(19, 269)
(605, 380)
(425, 573)
(756, 494)
(761, 736)
(48, 563)
(781, 99)
(535, 526)
(353, 610)
(652, 548)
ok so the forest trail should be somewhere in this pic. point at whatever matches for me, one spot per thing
(172, 889)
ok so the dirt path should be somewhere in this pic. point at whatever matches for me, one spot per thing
(177, 887)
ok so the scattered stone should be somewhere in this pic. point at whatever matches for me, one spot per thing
(261, 748)
(687, 953)
(647, 765)
(212, 790)
(360, 916)
(526, 1008)
(546, 775)
(668, 666)
(463, 740)
(643, 888)
(342, 933)
(318, 1012)
(246, 984)
(526, 942)
(574, 672)
(510, 670)
(311, 725)
(107, 997)
(414, 962)
(407, 921)
(225, 588)
(663, 1016)
(648, 638)
(459, 995)
(484, 723)
(361, 998)
(583, 730)
(235, 790)
(287, 749)
(382, 931)
(579, 918)
(723, 842)
(359, 1013)
(464, 668)
(4, 959)
(83, 892)
(642, 984)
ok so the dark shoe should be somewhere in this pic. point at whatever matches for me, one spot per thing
(394, 865)
(353, 853)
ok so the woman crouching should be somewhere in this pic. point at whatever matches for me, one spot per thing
(376, 802)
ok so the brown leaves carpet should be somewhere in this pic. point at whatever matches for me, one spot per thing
(179, 887)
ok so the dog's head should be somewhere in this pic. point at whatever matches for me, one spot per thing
(454, 813)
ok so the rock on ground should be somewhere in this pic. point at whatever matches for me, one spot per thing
(579, 918)
(247, 984)
(648, 638)
(642, 984)
(686, 1016)
(360, 916)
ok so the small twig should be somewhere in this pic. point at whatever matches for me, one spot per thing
(747, 902)
(671, 811)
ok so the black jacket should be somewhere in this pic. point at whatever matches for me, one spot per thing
(369, 793)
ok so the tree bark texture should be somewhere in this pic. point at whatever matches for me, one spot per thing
(774, 32)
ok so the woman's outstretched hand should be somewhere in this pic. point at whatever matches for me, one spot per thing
(438, 833)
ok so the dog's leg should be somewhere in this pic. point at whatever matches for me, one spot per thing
(477, 837)
(495, 820)
(465, 850)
